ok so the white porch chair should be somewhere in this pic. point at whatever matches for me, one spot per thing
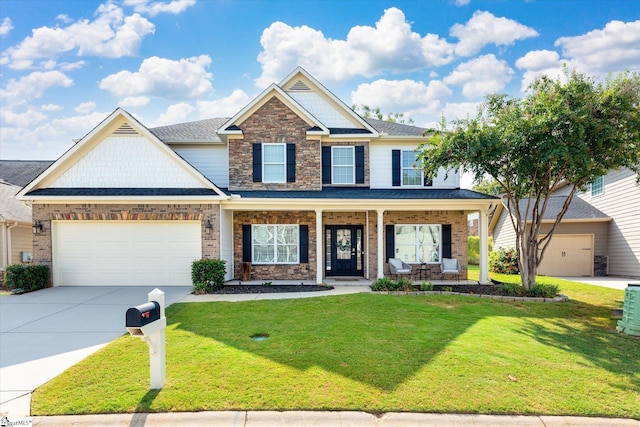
(450, 266)
(398, 267)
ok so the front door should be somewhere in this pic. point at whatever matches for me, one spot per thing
(343, 250)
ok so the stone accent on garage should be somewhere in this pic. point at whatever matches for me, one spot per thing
(46, 213)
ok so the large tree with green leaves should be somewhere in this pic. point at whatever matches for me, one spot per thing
(569, 131)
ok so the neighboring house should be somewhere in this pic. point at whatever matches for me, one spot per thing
(15, 216)
(599, 234)
(296, 185)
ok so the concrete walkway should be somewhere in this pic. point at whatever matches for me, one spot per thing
(606, 281)
(326, 419)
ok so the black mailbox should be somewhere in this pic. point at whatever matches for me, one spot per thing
(143, 314)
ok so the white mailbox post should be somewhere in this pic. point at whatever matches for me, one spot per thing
(148, 322)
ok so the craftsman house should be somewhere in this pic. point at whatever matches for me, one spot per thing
(295, 186)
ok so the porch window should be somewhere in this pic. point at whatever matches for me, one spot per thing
(419, 243)
(275, 244)
(343, 165)
(274, 162)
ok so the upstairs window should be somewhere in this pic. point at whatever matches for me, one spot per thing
(407, 170)
(597, 186)
(273, 163)
(342, 165)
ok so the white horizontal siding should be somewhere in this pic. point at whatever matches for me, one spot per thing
(126, 162)
(621, 201)
(210, 160)
(381, 168)
(504, 236)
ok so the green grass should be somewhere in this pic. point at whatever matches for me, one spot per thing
(372, 353)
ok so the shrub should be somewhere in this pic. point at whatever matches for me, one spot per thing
(201, 288)
(512, 289)
(543, 291)
(383, 284)
(27, 277)
(504, 261)
(473, 249)
(424, 286)
(404, 284)
(210, 271)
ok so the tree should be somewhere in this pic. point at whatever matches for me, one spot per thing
(375, 113)
(562, 132)
(488, 186)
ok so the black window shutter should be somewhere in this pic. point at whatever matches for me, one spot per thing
(427, 181)
(291, 162)
(246, 243)
(446, 240)
(257, 162)
(395, 168)
(360, 164)
(304, 244)
(390, 241)
(326, 165)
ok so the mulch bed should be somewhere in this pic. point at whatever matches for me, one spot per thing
(273, 289)
(470, 289)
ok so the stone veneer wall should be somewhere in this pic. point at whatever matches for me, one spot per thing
(46, 213)
(274, 122)
(305, 271)
(459, 233)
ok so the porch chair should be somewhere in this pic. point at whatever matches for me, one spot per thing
(398, 267)
(451, 266)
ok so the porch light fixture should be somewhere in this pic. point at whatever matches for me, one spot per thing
(36, 227)
(208, 228)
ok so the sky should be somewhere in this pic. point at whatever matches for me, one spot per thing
(66, 65)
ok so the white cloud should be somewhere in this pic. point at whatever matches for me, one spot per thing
(32, 86)
(481, 76)
(389, 46)
(484, 28)
(462, 2)
(28, 118)
(51, 107)
(186, 78)
(400, 95)
(614, 48)
(111, 35)
(6, 26)
(537, 63)
(175, 113)
(134, 101)
(153, 8)
(85, 107)
(460, 111)
(224, 107)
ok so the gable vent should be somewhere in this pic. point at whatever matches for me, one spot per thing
(125, 129)
(300, 85)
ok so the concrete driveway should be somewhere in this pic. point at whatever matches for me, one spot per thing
(45, 332)
(607, 281)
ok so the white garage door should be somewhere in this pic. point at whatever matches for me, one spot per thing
(125, 253)
(568, 255)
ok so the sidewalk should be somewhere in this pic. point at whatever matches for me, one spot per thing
(326, 419)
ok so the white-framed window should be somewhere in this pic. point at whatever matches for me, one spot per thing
(275, 244)
(274, 162)
(418, 243)
(412, 173)
(343, 165)
(597, 186)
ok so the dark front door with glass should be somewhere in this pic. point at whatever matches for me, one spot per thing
(343, 250)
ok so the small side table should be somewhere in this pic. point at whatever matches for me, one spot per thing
(424, 272)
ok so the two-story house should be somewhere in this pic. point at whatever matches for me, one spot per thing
(296, 185)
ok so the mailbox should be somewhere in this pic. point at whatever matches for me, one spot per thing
(143, 314)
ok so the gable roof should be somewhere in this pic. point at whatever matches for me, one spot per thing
(197, 131)
(578, 211)
(10, 208)
(22, 172)
(395, 129)
(119, 122)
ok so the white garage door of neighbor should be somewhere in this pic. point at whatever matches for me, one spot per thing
(125, 253)
(568, 255)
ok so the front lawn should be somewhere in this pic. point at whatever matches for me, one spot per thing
(374, 353)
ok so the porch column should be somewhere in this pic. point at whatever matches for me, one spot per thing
(483, 232)
(380, 235)
(319, 247)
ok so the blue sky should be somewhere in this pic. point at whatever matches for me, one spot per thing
(65, 65)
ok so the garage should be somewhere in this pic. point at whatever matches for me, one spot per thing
(568, 255)
(124, 253)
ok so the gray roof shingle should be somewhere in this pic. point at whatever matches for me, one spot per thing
(10, 208)
(22, 172)
(578, 209)
(198, 131)
(395, 129)
(105, 192)
(364, 193)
